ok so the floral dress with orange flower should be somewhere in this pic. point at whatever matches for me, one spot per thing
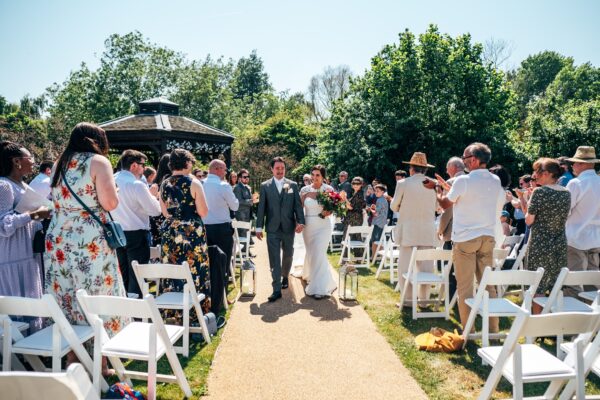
(77, 255)
(183, 236)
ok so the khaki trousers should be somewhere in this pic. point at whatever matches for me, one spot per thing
(470, 259)
(583, 260)
(404, 254)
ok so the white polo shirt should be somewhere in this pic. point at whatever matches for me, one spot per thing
(136, 203)
(583, 224)
(478, 199)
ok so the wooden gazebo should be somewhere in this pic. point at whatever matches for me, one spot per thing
(158, 128)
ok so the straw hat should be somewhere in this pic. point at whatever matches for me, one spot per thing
(419, 159)
(585, 154)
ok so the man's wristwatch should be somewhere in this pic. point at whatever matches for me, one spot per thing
(35, 216)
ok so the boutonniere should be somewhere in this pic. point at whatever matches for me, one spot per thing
(286, 186)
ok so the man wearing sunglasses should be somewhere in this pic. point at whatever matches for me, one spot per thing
(243, 193)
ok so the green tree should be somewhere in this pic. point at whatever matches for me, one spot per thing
(434, 94)
(250, 78)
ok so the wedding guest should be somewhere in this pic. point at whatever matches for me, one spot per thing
(137, 203)
(342, 184)
(306, 180)
(220, 200)
(547, 214)
(20, 273)
(243, 192)
(583, 224)
(41, 183)
(505, 222)
(233, 179)
(477, 198)
(163, 170)
(379, 210)
(355, 205)
(454, 168)
(519, 214)
(567, 175)
(400, 175)
(183, 234)
(416, 221)
(149, 175)
(505, 180)
(77, 253)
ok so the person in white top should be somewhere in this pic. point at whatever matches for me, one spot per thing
(583, 223)
(477, 199)
(41, 183)
(137, 203)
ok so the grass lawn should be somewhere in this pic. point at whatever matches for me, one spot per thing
(453, 376)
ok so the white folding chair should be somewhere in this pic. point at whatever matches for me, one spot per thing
(74, 384)
(388, 254)
(512, 242)
(183, 301)
(348, 244)
(527, 363)
(379, 250)
(155, 254)
(54, 341)
(18, 330)
(144, 341)
(557, 302)
(333, 244)
(241, 244)
(488, 307)
(416, 278)
(499, 256)
(517, 266)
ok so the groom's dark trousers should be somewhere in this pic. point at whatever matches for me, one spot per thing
(280, 266)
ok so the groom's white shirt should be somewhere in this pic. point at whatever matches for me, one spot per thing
(279, 185)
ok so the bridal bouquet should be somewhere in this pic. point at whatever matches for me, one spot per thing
(332, 202)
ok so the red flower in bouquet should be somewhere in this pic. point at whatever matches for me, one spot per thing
(331, 202)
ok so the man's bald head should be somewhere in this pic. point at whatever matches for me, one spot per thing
(217, 167)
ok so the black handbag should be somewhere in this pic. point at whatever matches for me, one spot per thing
(113, 232)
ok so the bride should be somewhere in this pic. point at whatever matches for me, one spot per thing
(316, 234)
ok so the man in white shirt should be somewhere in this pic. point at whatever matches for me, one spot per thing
(477, 199)
(220, 200)
(137, 203)
(583, 223)
(41, 183)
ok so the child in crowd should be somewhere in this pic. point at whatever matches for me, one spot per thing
(505, 220)
(379, 210)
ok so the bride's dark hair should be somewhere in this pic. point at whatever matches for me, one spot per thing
(321, 169)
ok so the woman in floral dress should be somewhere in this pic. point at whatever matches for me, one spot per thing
(183, 236)
(77, 254)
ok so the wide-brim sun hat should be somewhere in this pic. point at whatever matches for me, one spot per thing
(585, 154)
(419, 159)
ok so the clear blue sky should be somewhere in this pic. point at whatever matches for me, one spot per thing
(42, 41)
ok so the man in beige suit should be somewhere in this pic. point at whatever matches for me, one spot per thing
(416, 206)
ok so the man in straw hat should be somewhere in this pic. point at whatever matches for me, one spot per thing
(478, 199)
(416, 221)
(583, 224)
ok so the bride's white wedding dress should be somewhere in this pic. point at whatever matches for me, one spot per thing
(316, 234)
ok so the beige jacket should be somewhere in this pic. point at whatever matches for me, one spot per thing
(445, 226)
(416, 206)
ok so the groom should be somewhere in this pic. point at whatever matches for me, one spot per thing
(280, 203)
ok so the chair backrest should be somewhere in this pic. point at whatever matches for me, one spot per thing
(25, 306)
(74, 384)
(365, 230)
(520, 257)
(155, 252)
(499, 255)
(95, 306)
(241, 224)
(388, 229)
(574, 278)
(432, 254)
(561, 323)
(511, 277)
(160, 271)
(512, 241)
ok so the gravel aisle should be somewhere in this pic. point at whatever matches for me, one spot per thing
(302, 348)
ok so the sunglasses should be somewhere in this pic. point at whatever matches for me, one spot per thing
(245, 177)
(467, 157)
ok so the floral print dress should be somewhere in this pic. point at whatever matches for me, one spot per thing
(547, 246)
(77, 255)
(183, 237)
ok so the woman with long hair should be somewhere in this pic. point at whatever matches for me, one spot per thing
(77, 253)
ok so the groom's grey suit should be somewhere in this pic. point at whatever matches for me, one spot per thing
(282, 211)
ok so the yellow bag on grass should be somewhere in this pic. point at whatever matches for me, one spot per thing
(439, 340)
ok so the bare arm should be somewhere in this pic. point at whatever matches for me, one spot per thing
(102, 176)
(199, 198)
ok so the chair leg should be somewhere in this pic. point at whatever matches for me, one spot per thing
(415, 289)
(485, 323)
(56, 339)
(6, 346)
(518, 373)
(152, 370)
(186, 332)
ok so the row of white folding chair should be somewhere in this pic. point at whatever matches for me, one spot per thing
(334, 245)
(388, 253)
(363, 243)
(499, 306)
(513, 242)
(439, 279)
(144, 341)
(74, 384)
(525, 363)
(185, 301)
(55, 340)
